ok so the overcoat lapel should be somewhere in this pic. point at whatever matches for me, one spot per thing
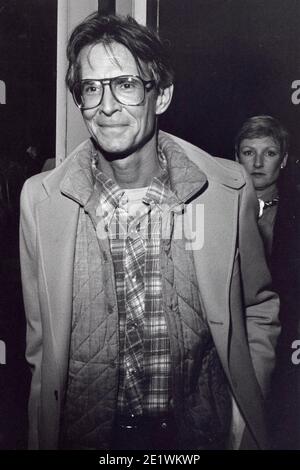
(215, 267)
(214, 260)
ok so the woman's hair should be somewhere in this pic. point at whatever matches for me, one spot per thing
(144, 45)
(263, 126)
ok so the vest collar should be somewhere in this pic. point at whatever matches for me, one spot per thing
(77, 179)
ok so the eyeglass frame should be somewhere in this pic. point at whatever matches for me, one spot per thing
(107, 81)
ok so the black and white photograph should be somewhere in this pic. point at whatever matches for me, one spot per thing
(150, 228)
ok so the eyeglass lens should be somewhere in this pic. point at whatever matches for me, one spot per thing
(128, 90)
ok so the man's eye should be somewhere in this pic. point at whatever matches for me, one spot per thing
(128, 85)
(90, 89)
(272, 153)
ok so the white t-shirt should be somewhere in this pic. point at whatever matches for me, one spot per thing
(135, 197)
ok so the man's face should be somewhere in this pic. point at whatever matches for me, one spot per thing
(118, 129)
(262, 159)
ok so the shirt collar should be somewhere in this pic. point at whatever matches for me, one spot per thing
(158, 191)
(269, 194)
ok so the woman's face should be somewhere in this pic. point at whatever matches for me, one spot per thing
(263, 159)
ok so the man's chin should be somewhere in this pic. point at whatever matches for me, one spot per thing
(113, 152)
(116, 149)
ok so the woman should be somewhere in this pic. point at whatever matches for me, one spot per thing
(262, 148)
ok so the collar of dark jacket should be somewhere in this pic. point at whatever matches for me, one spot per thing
(186, 179)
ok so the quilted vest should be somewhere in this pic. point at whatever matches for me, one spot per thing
(201, 400)
(92, 379)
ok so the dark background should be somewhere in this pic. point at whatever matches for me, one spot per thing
(28, 67)
(232, 58)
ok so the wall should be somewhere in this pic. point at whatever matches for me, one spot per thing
(70, 130)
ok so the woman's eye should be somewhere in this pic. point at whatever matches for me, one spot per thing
(247, 153)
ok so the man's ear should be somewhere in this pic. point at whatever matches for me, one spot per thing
(164, 99)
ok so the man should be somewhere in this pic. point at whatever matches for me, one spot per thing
(141, 331)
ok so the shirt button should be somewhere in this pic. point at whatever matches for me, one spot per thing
(133, 234)
(164, 425)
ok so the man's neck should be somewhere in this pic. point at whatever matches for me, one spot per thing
(137, 169)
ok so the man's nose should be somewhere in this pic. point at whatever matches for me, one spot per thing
(258, 160)
(109, 105)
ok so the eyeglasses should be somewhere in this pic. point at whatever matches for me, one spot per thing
(126, 89)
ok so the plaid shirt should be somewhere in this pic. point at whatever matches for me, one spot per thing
(145, 361)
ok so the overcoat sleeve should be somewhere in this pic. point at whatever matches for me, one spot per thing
(28, 259)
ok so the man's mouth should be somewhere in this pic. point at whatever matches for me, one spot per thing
(112, 125)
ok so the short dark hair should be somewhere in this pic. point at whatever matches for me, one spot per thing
(263, 126)
(145, 46)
